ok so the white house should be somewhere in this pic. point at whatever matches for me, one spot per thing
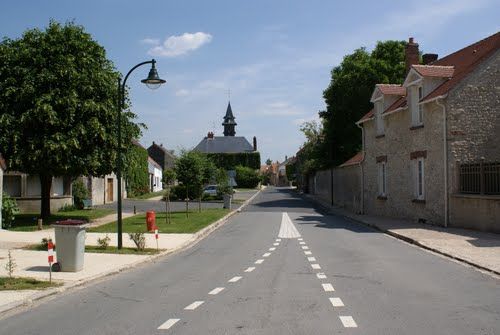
(155, 175)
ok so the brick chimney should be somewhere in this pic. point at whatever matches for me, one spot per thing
(429, 58)
(254, 143)
(411, 54)
(210, 135)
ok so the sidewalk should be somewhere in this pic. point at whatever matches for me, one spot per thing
(479, 249)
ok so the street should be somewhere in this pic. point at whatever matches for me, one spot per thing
(281, 266)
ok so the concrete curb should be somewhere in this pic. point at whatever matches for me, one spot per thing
(399, 236)
(198, 236)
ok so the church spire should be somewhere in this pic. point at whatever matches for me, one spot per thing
(229, 122)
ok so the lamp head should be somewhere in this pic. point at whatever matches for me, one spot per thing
(153, 81)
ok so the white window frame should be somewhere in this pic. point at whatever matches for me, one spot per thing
(382, 179)
(420, 178)
(420, 116)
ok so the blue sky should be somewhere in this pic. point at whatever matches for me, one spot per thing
(274, 56)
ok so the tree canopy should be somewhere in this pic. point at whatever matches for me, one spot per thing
(347, 97)
(58, 105)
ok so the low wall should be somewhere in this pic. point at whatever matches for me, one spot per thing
(30, 205)
(346, 187)
(480, 212)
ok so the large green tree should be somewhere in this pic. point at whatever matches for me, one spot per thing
(190, 169)
(348, 95)
(58, 95)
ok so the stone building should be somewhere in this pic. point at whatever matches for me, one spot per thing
(165, 158)
(103, 190)
(431, 151)
(229, 143)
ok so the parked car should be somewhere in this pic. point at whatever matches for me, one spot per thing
(210, 190)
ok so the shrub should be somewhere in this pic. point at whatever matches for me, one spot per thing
(246, 177)
(45, 243)
(68, 208)
(80, 193)
(9, 211)
(139, 240)
(103, 242)
(178, 192)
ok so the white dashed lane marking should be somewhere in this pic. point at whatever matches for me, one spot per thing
(321, 275)
(305, 247)
(216, 290)
(259, 261)
(234, 279)
(194, 305)
(169, 323)
(328, 287)
(336, 302)
(348, 321)
(300, 239)
(315, 266)
(272, 249)
(308, 252)
(311, 259)
(276, 244)
(302, 243)
(267, 254)
(287, 228)
(278, 240)
(250, 269)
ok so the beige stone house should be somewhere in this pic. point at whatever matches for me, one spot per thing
(431, 147)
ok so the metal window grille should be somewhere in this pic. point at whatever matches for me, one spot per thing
(480, 178)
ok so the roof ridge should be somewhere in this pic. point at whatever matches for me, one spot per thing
(468, 46)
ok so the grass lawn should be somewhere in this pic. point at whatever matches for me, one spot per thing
(180, 224)
(148, 195)
(28, 221)
(98, 250)
(16, 283)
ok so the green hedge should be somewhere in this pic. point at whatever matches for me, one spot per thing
(229, 161)
(246, 177)
(136, 171)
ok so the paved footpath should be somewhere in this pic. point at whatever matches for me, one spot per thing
(280, 267)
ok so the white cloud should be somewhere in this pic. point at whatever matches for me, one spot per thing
(181, 93)
(153, 41)
(175, 46)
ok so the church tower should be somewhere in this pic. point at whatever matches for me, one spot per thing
(229, 122)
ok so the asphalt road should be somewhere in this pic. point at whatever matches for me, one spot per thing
(256, 275)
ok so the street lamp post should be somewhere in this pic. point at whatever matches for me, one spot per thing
(153, 81)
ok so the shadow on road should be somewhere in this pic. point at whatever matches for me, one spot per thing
(334, 222)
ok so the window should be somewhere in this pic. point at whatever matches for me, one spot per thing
(480, 178)
(419, 179)
(420, 117)
(417, 115)
(382, 179)
(378, 118)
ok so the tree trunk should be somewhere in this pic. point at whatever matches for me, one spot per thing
(45, 185)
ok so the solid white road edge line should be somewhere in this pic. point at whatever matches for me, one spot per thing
(169, 323)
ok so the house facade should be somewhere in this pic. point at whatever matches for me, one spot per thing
(26, 190)
(103, 190)
(155, 176)
(165, 158)
(430, 146)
